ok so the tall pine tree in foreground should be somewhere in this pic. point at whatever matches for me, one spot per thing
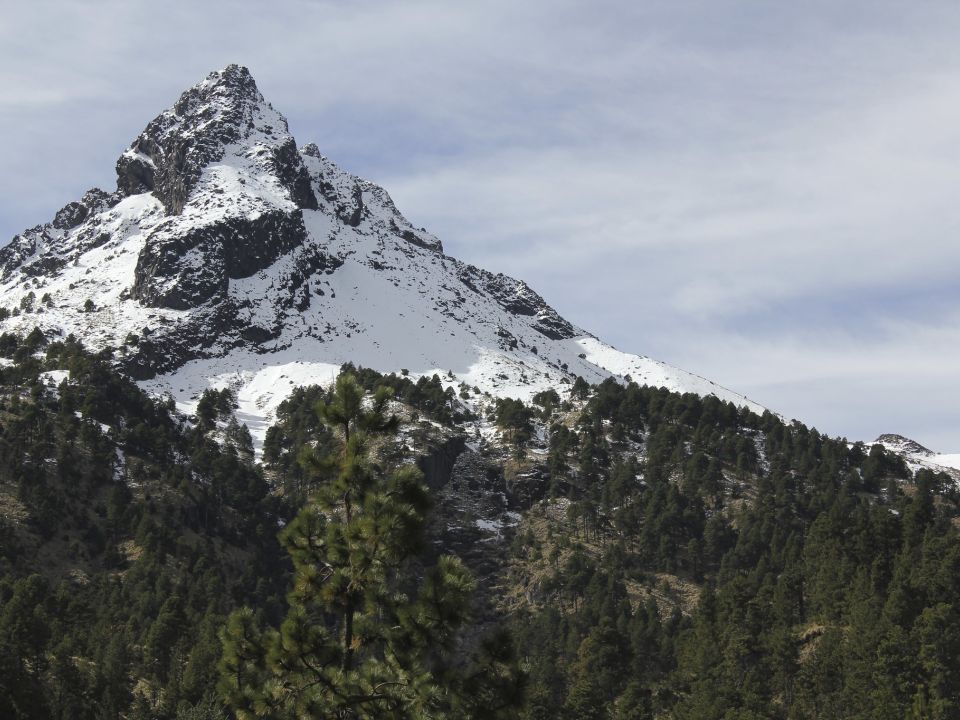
(365, 636)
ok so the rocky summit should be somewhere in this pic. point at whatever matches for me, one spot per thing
(230, 256)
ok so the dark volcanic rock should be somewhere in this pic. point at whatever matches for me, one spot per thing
(905, 444)
(19, 249)
(185, 269)
(161, 349)
(135, 173)
(517, 298)
(469, 508)
(293, 175)
(528, 487)
(354, 213)
(38, 250)
(170, 154)
(438, 465)
(223, 323)
(70, 215)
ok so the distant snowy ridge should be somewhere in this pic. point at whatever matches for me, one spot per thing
(228, 256)
(918, 457)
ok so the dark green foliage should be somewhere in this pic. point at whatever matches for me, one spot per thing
(548, 401)
(427, 395)
(706, 562)
(580, 389)
(215, 404)
(298, 424)
(146, 533)
(359, 641)
(827, 591)
(515, 419)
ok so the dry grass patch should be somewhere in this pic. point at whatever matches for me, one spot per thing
(12, 510)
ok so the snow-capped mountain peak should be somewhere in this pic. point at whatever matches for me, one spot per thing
(228, 256)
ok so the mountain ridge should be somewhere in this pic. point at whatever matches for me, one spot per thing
(919, 457)
(229, 256)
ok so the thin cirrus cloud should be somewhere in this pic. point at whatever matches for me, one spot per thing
(759, 193)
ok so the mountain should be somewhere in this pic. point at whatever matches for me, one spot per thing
(230, 257)
(638, 552)
(919, 457)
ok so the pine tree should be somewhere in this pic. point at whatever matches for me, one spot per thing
(358, 641)
(24, 632)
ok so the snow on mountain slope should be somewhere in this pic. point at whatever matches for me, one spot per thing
(947, 460)
(919, 457)
(229, 257)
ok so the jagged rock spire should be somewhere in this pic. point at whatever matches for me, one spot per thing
(226, 109)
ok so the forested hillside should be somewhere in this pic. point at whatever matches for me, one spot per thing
(656, 554)
(126, 537)
(699, 562)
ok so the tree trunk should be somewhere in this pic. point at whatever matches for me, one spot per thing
(348, 637)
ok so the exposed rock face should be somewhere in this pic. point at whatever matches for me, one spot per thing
(293, 175)
(438, 464)
(183, 270)
(33, 251)
(164, 348)
(528, 487)
(477, 506)
(472, 516)
(903, 444)
(169, 156)
(518, 298)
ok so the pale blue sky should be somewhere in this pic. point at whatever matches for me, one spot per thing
(761, 193)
